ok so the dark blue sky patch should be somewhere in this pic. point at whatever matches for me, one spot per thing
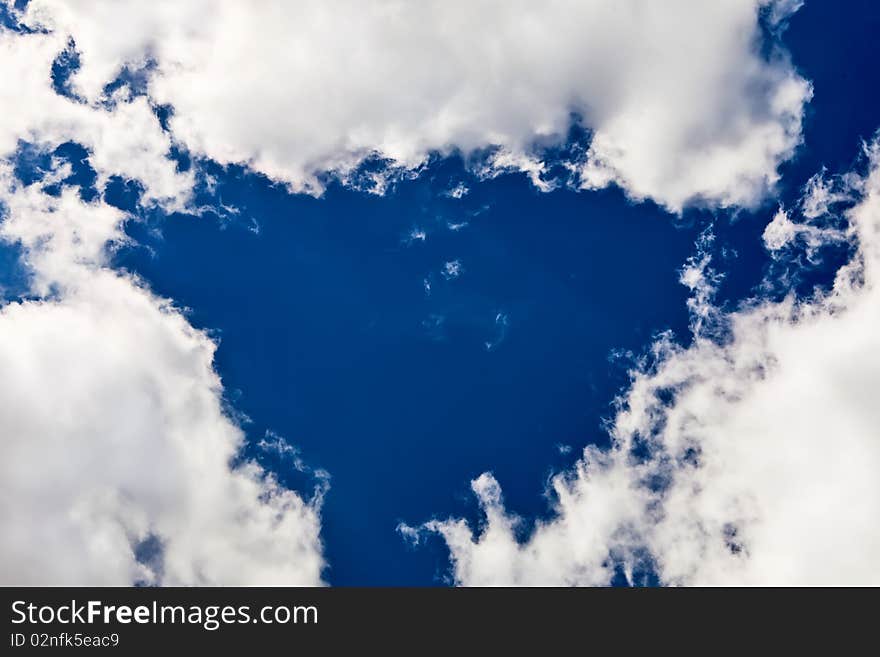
(834, 44)
(10, 17)
(150, 552)
(14, 275)
(65, 65)
(32, 162)
(8, 20)
(123, 194)
(345, 331)
(134, 79)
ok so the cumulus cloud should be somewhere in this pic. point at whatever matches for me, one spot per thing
(119, 463)
(681, 104)
(114, 432)
(749, 457)
(124, 139)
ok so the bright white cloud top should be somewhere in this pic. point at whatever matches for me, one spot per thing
(111, 410)
(682, 106)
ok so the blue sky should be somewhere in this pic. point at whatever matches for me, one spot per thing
(329, 339)
(396, 393)
(401, 344)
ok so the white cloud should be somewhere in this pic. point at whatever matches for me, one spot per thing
(415, 235)
(682, 106)
(451, 270)
(762, 451)
(783, 232)
(113, 425)
(114, 430)
(458, 192)
(821, 194)
(126, 140)
(816, 226)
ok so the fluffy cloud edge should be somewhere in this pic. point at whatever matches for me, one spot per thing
(115, 432)
(746, 458)
(681, 106)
